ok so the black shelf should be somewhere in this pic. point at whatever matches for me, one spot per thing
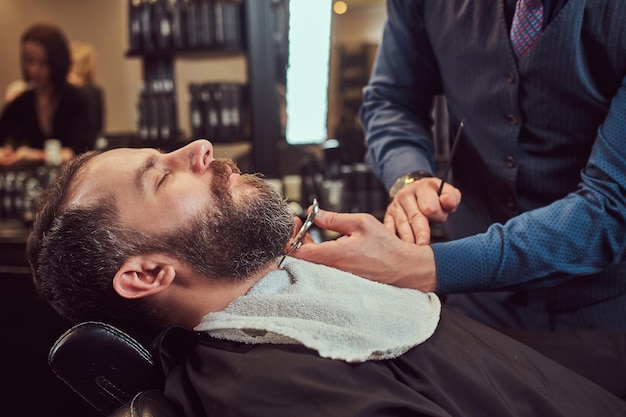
(188, 53)
(259, 22)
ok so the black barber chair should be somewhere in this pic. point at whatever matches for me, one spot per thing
(111, 370)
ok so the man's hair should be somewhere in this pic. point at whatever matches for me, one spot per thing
(57, 49)
(74, 253)
(76, 250)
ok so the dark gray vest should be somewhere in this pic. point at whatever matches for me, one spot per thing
(536, 135)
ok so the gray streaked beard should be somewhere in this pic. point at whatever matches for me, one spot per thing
(232, 240)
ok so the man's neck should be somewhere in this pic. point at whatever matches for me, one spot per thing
(203, 295)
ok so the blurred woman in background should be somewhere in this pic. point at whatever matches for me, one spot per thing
(51, 108)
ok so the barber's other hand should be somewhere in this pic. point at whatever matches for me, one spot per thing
(370, 250)
(409, 213)
(7, 155)
(24, 154)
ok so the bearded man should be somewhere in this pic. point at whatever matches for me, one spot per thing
(182, 240)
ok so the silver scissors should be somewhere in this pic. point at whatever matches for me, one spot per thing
(296, 242)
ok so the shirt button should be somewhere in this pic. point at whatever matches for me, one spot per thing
(510, 76)
(512, 119)
(510, 162)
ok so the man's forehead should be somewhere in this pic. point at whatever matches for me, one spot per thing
(128, 156)
(103, 174)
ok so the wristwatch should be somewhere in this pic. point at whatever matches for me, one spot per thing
(407, 179)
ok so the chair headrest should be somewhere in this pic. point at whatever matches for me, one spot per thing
(104, 365)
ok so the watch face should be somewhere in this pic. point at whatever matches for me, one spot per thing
(398, 185)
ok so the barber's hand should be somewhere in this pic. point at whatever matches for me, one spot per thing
(21, 155)
(417, 204)
(26, 153)
(7, 155)
(368, 249)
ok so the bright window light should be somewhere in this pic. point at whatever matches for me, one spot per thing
(307, 71)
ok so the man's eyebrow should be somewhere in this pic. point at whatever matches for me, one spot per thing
(143, 170)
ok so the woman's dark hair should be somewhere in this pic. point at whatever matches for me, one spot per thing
(57, 48)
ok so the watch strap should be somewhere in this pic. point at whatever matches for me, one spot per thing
(407, 179)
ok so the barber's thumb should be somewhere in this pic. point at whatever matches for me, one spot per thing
(333, 221)
(322, 218)
(448, 203)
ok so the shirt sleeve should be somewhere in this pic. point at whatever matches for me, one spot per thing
(397, 102)
(580, 234)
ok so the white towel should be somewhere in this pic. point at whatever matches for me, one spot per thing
(338, 314)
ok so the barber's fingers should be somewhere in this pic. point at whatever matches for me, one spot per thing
(368, 249)
(415, 206)
(449, 199)
(329, 252)
(407, 222)
(342, 223)
(410, 212)
(362, 235)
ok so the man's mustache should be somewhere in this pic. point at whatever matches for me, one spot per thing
(224, 166)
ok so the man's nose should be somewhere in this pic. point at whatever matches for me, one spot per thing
(199, 155)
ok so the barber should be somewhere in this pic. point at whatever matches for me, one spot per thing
(532, 114)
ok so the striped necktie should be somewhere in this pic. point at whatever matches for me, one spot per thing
(527, 24)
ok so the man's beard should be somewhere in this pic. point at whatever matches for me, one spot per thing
(235, 238)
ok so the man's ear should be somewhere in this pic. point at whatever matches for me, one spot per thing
(143, 275)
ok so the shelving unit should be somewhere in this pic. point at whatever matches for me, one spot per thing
(351, 65)
(257, 40)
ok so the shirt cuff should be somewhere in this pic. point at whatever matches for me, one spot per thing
(462, 265)
(400, 162)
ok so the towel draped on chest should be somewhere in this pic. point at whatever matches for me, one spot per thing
(337, 314)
